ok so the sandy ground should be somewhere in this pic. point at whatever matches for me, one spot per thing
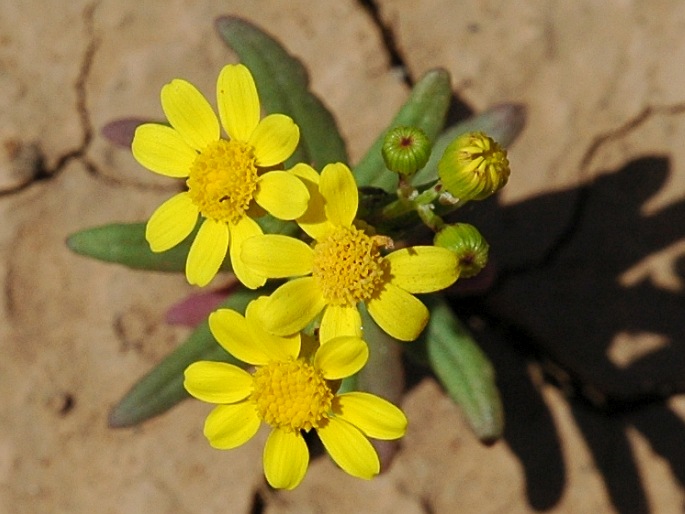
(584, 323)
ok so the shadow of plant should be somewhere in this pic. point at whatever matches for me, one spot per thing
(570, 305)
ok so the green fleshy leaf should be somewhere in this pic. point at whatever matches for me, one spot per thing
(271, 225)
(502, 123)
(124, 243)
(383, 374)
(426, 109)
(464, 371)
(283, 87)
(162, 388)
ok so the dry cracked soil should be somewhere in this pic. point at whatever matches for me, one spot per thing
(584, 321)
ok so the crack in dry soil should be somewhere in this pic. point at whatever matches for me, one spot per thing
(82, 78)
(81, 98)
(623, 130)
(41, 172)
(388, 39)
(598, 142)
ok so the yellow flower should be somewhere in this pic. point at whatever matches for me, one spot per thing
(346, 266)
(225, 178)
(292, 391)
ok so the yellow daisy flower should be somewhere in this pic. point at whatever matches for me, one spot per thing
(345, 266)
(293, 390)
(225, 178)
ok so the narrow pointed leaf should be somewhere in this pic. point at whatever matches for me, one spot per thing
(121, 131)
(124, 243)
(503, 123)
(426, 109)
(383, 375)
(162, 388)
(283, 87)
(464, 371)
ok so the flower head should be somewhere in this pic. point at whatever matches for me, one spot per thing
(293, 390)
(225, 177)
(406, 150)
(473, 167)
(345, 266)
(468, 245)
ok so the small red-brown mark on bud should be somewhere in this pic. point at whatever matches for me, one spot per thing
(407, 142)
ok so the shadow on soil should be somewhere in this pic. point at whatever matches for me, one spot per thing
(569, 306)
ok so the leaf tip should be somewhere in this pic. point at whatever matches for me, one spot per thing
(508, 121)
(121, 131)
(438, 72)
(119, 418)
(77, 243)
(227, 21)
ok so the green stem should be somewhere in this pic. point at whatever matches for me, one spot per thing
(429, 218)
(398, 208)
(408, 200)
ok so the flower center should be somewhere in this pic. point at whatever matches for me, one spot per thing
(348, 266)
(223, 179)
(291, 395)
(482, 155)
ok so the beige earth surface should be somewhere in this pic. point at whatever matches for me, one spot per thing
(584, 324)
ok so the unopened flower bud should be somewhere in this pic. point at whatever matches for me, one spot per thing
(468, 245)
(406, 150)
(473, 167)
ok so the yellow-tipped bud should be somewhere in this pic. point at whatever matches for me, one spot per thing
(406, 150)
(473, 167)
(468, 245)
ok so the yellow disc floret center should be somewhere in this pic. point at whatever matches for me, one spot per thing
(223, 179)
(291, 395)
(348, 266)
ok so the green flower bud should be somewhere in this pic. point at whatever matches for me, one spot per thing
(468, 244)
(406, 150)
(473, 167)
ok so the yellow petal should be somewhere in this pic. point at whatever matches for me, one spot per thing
(341, 357)
(398, 313)
(278, 256)
(349, 449)
(207, 252)
(171, 222)
(313, 221)
(274, 140)
(282, 194)
(286, 458)
(190, 114)
(374, 416)
(245, 229)
(238, 101)
(229, 426)
(233, 333)
(274, 348)
(217, 382)
(306, 173)
(292, 306)
(162, 149)
(423, 269)
(339, 189)
(340, 321)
